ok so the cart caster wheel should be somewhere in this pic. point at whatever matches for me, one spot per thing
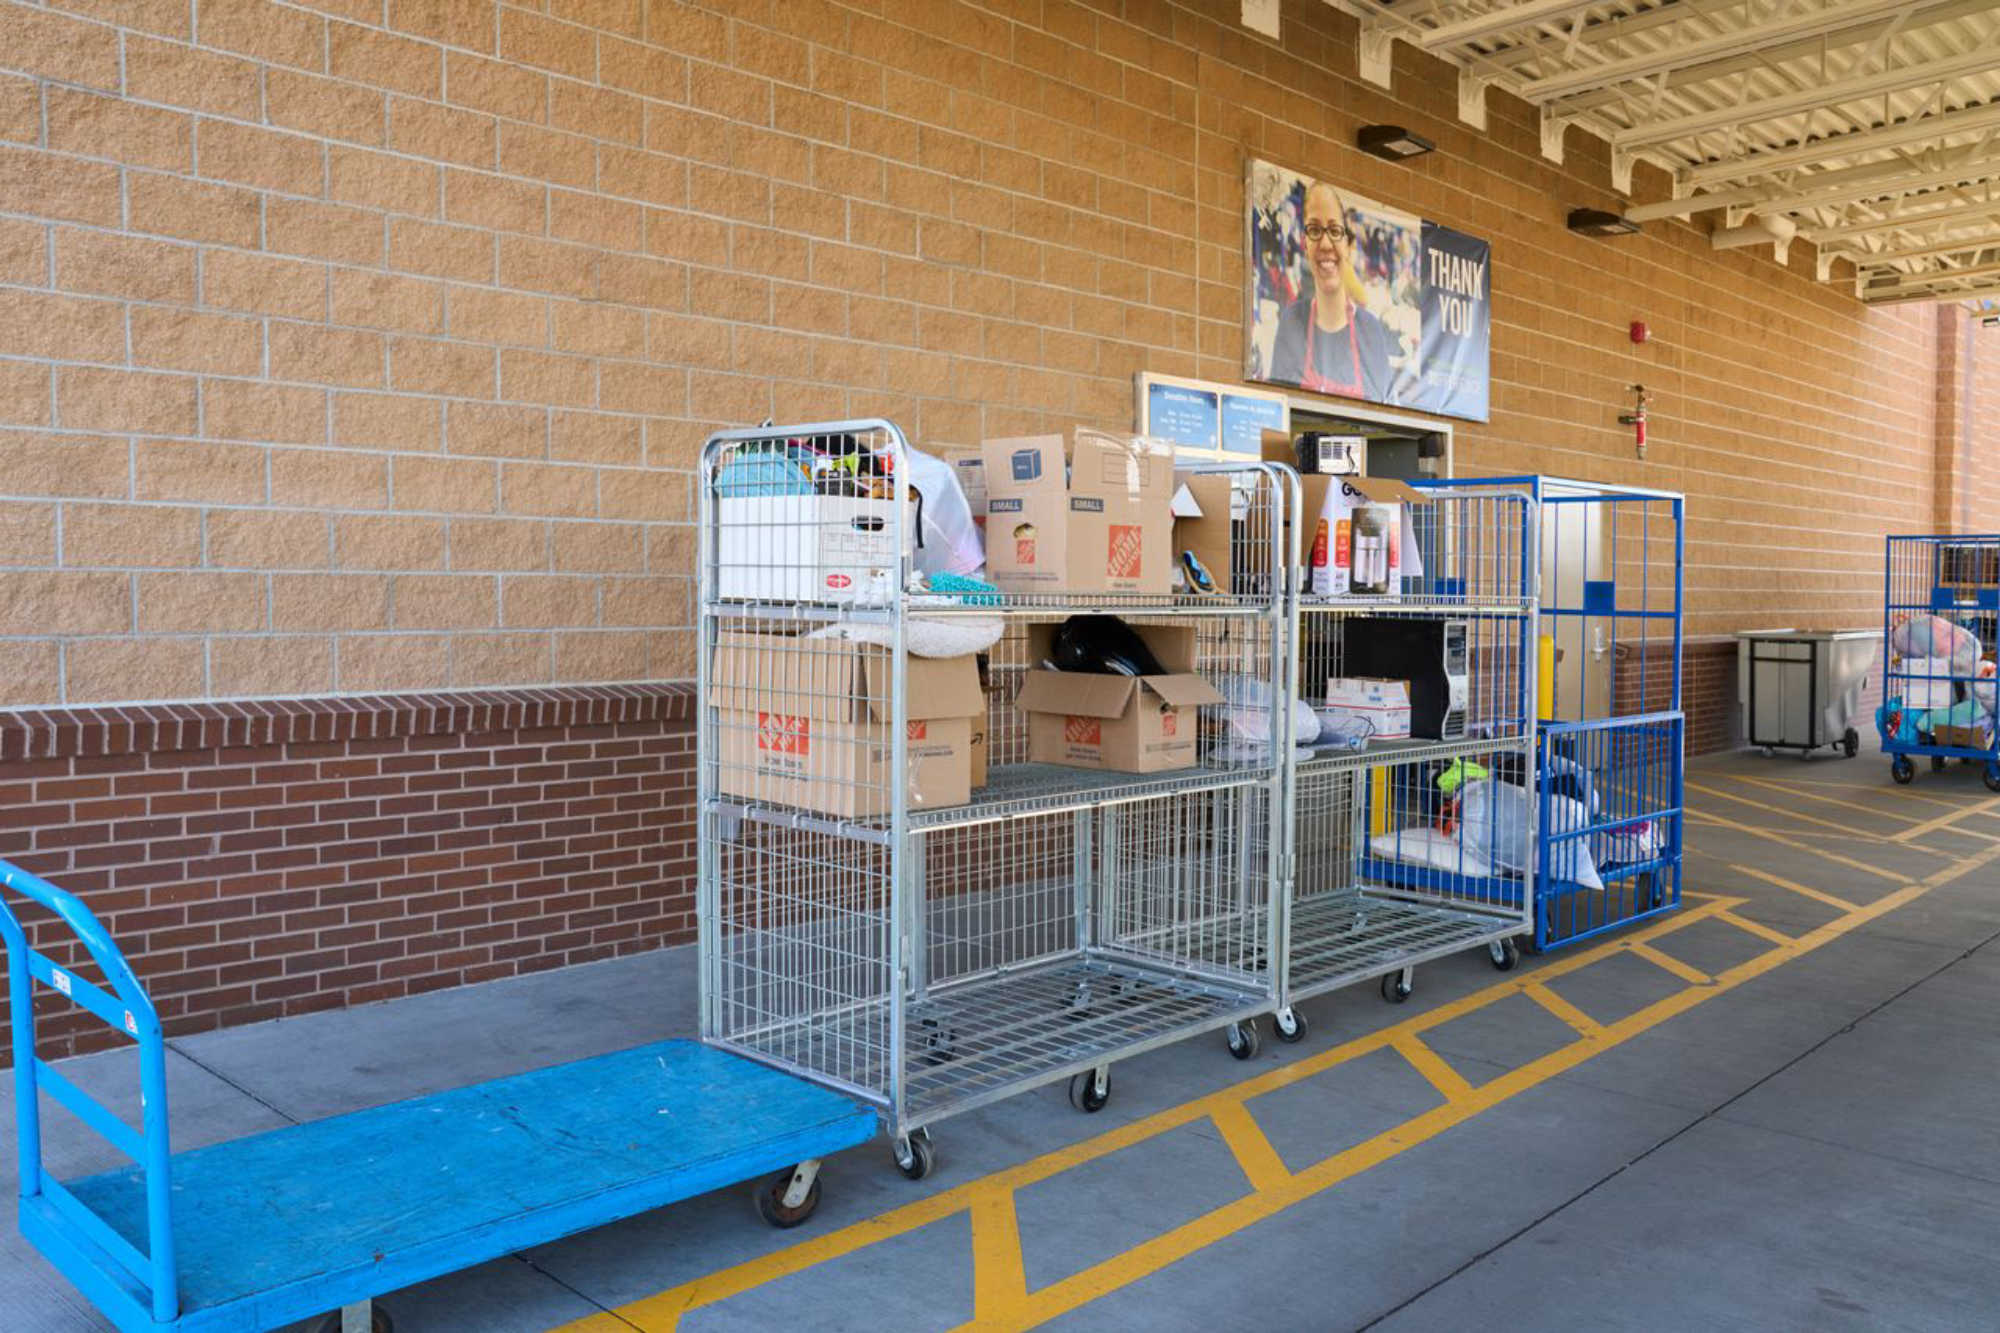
(1087, 1096)
(916, 1156)
(1505, 954)
(1902, 770)
(1244, 1042)
(1938, 762)
(1992, 776)
(1770, 752)
(940, 1044)
(770, 1201)
(1850, 743)
(1396, 990)
(378, 1318)
(1289, 1024)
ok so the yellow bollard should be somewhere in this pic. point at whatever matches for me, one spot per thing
(1545, 678)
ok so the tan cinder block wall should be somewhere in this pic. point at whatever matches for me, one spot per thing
(367, 344)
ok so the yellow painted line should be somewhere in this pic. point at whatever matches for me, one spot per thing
(1818, 895)
(1150, 1257)
(1586, 1026)
(661, 1312)
(1692, 975)
(1879, 811)
(1262, 1166)
(1001, 1307)
(1946, 821)
(1779, 838)
(1451, 1085)
(1844, 830)
(1756, 928)
(999, 1273)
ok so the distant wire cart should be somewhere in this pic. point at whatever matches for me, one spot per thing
(1941, 601)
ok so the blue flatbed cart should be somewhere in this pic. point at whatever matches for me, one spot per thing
(321, 1217)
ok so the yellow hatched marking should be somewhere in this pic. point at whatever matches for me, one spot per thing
(1844, 830)
(1451, 1085)
(999, 1272)
(1774, 836)
(657, 1314)
(1879, 811)
(1946, 821)
(1817, 895)
(1586, 1027)
(1262, 1166)
(1694, 976)
(1756, 928)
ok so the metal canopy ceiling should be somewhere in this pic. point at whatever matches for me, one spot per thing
(1869, 127)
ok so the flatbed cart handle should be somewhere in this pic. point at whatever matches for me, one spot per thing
(127, 1008)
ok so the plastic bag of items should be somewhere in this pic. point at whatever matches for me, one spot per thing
(1246, 720)
(1493, 821)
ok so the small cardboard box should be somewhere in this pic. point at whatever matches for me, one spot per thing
(1385, 703)
(1093, 518)
(1967, 738)
(804, 722)
(1128, 724)
(807, 548)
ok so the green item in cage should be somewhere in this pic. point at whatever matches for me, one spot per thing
(1461, 772)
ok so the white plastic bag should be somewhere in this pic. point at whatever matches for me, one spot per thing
(951, 542)
(1493, 821)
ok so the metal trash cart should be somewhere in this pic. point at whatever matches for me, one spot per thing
(1801, 689)
(873, 925)
(323, 1216)
(1941, 626)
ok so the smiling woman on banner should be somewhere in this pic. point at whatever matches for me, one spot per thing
(1328, 342)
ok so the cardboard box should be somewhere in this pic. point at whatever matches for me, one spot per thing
(1969, 738)
(807, 548)
(1217, 517)
(1385, 703)
(1326, 507)
(1093, 518)
(1128, 724)
(804, 722)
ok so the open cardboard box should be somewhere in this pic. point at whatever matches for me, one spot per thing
(1128, 724)
(1093, 517)
(804, 722)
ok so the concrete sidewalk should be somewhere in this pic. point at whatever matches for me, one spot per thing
(1782, 1120)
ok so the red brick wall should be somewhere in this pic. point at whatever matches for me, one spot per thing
(262, 861)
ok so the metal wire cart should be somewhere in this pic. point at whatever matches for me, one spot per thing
(1403, 847)
(879, 922)
(1941, 601)
(1609, 775)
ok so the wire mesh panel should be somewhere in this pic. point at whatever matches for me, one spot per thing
(1941, 621)
(1610, 827)
(1186, 883)
(797, 932)
(1400, 796)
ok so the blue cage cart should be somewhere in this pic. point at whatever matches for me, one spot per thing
(1609, 746)
(1941, 602)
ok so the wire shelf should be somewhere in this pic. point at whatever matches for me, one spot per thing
(1338, 941)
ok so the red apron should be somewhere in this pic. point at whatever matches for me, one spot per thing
(1313, 381)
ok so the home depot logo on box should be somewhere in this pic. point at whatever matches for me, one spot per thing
(917, 731)
(1170, 722)
(1083, 731)
(1126, 552)
(784, 733)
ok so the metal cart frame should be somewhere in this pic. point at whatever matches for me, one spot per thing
(1352, 915)
(933, 959)
(1955, 578)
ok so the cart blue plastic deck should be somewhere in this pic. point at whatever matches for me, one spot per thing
(287, 1224)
